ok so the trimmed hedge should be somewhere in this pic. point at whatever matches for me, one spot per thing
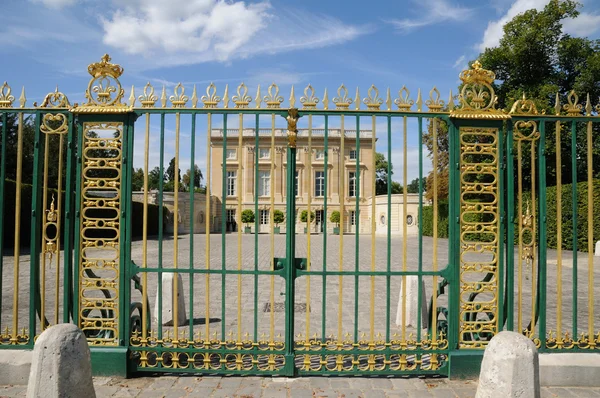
(26, 197)
(427, 220)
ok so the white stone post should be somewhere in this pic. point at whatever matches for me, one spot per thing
(412, 303)
(510, 368)
(168, 300)
(597, 252)
(61, 364)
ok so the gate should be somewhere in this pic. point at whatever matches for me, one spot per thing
(238, 276)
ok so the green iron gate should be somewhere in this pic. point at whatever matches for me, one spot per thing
(290, 259)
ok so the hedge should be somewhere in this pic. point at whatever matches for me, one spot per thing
(25, 232)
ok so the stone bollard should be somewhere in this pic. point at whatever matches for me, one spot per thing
(597, 252)
(61, 365)
(412, 303)
(510, 368)
(168, 301)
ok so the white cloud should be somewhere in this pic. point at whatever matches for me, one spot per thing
(494, 32)
(432, 12)
(460, 62)
(193, 31)
(55, 3)
(584, 25)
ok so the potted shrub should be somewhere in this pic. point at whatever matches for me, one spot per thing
(247, 218)
(278, 218)
(304, 218)
(335, 217)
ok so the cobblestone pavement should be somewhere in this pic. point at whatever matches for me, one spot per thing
(309, 387)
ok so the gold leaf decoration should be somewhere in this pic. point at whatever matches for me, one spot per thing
(55, 99)
(434, 103)
(179, 99)
(211, 99)
(403, 101)
(273, 99)
(342, 101)
(309, 101)
(573, 107)
(373, 101)
(523, 107)
(6, 98)
(242, 99)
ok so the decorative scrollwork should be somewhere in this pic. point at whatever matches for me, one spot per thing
(434, 103)
(273, 100)
(242, 99)
(292, 129)
(342, 101)
(308, 100)
(104, 92)
(524, 107)
(148, 99)
(179, 99)
(211, 99)
(573, 107)
(477, 98)
(404, 102)
(54, 123)
(6, 98)
(373, 101)
(55, 99)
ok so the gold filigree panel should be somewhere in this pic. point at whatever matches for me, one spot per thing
(100, 232)
(479, 235)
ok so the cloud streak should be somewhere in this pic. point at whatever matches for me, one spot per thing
(432, 12)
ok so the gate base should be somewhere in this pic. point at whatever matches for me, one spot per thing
(465, 364)
(110, 361)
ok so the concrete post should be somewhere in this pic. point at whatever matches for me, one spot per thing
(510, 368)
(597, 252)
(61, 364)
(168, 300)
(412, 303)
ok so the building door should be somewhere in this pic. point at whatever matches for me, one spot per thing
(230, 221)
(264, 221)
(320, 217)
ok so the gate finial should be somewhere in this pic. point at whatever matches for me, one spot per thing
(292, 129)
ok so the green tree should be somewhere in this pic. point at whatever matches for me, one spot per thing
(154, 178)
(396, 187)
(335, 217)
(171, 171)
(137, 180)
(198, 177)
(278, 217)
(247, 217)
(413, 187)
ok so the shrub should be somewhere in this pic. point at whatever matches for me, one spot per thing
(335, 217)
(247, 217)
(304, 216)
(278, 217)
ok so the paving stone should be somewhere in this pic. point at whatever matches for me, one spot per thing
(382, 384)
(375, 393)
(223, 393)
(325, 393)
(397, 394)
(301, 393)
(101, 391)
(361, 383)
(443, 393)
(420, 394)
(127, 392)
(249, 392)
(320, 382)
(164, 382)
(465, 392)
(562, 392)
(176, 393)
(209, 381)
(403, 384)
(230, 383)
(275, 392)
(337, 383)
(353, 393)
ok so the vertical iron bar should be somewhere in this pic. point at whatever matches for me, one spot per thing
(324, 296)
(290, 260)
(240, 194)
(558, 231)
(256, 219)
(17, 248)
(356, 228)
(176, 232)
(542, 211)
(79, 138)
(389, 230)
(207, 230)
(145, 231)
(160, 219)
(69, 219)
(590, 228)
(223, 223)
(373, 225)
(36, 217)
(510, 245)
(2, 200)
(500, 295)
(420, 263)
(192, 189)
(124, 280)
(308, 226)
(575, 232)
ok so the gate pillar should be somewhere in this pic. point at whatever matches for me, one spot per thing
(476, 139)
(105, 137)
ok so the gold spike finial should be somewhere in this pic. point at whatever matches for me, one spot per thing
(357, 100)
(450, 102)
(258, 99)
(588, 106)
(22, 98)
(325, 100)
(388, 100)
(557, 105)
(132, 97)
(419, 101)
(226, 96)
(292, 98)
(194, 97)
(163, 97)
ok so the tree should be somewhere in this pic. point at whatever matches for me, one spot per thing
(304, 216)
(198, 177)
(396, 187)
(381, 173)
(171, 171)
(335, 217)
(278, 217)
(137, 180)
(413, 187)
(443, 159)
(247, 217)
(154, 178)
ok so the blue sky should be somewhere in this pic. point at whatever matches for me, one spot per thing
(417, 43)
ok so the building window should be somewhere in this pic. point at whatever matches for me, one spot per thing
(231, 182)
(231, 154)
(409, 219)
(296, 183)
(264, 183)
(320, 154)
(264, 153)
(352, 184)
(264, 217)
(352, 217)
(353, 154)
(319, 184)
(230, 215)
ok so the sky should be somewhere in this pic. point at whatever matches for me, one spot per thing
(390, 43)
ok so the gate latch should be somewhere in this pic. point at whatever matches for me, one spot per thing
(299, 263)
